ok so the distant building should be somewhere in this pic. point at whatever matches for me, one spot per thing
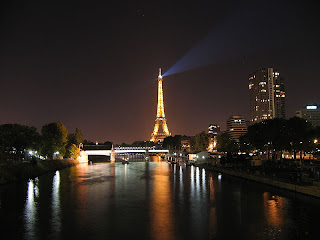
(185, 143)
(267, 95)
(213, 131)
(236, 127)
(202, 156)
(311, 113)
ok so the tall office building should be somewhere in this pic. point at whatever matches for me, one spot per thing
(236, 127)
(267, 95)
(213, 131)
(311, 113)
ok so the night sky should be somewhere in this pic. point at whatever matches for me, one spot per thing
(93, 65)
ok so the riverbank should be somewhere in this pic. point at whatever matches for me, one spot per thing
(310, 189)
(12, 172)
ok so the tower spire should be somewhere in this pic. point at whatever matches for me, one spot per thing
(157, 134)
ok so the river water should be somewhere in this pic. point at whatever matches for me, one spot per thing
(154, 200)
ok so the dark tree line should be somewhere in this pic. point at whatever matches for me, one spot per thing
(277, 135)
(272, 136)
(172, 143)
(200, 142)
(19, 142)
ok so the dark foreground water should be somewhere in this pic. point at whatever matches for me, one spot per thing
(152, 201)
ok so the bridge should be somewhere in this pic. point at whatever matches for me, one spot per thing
(119, 150)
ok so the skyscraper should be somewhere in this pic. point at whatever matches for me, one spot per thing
(236, 127)
(213, 131)
(267, 95)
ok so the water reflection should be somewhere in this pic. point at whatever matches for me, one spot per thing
(212, 209)
(30, 209)
(197, 183)
(162, 214)
(273, 207)
(153, 200)
(199, 214)
(78, 176)
(192, 184)
(56, 208)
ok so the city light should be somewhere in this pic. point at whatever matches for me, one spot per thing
(312, 107)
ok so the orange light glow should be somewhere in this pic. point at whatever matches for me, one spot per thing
(162, 215)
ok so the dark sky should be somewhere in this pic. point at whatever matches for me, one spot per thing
(93, 64)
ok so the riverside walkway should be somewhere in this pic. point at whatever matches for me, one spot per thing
(306, 186)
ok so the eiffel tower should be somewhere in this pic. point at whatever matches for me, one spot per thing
(159, 134)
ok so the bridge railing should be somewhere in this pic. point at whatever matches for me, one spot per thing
(134, 148)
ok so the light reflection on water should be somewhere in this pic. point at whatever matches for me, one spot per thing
(30, 210)
(162, 212)
(155, 200)
(56, 208)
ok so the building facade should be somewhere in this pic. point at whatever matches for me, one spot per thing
(311, 113)
(185, 144)
(236, 127)
(213, 131)
(267, 95)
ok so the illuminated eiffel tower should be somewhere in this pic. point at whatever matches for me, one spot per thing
(161, 122)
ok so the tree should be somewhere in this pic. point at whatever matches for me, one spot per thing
(73, 151)
(108, 144)
(88, 142)
(142, 144)
(200, 142)
(226, 144)
(75, 138)
(299, 135)
(276, 135)
(172, 143)
(54, 139)
(16, 139)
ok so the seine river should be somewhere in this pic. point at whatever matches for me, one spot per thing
(154, 200)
